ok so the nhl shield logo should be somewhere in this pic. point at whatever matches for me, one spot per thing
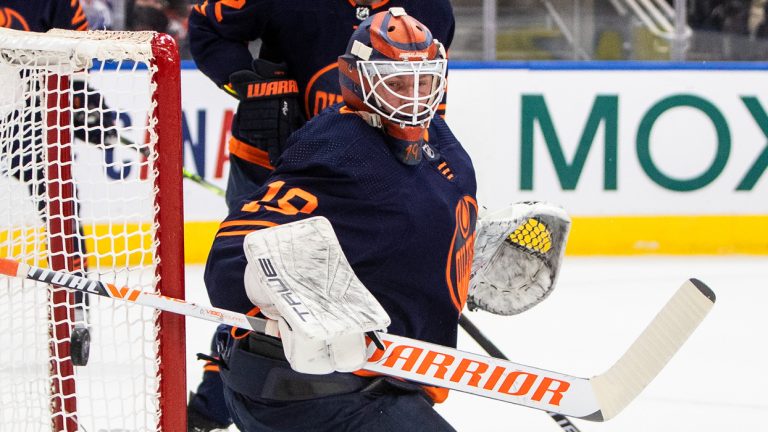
(362, 12)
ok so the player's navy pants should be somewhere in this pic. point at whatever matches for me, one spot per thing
(265, 395)
(387, 410)
(245, 179)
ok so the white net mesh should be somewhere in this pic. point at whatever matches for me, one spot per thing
(77, 192)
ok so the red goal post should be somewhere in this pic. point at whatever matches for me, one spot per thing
(90, 181)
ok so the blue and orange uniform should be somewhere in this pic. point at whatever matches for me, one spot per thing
(407, 231)
(307, 35)
(42, 15)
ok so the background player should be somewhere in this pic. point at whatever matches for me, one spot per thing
(303, 36)
(92, 122)
(382, 170)
(26, 164)
(42, 15)
(300, 42)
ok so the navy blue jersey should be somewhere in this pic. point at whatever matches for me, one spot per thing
(308, 35)
(407, 231)
(42, 15)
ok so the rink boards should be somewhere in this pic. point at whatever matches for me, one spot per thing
(646, 157)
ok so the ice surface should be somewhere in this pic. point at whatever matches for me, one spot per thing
(715, 383)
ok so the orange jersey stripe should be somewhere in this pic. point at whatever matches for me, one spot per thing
(228, 224)
(234, 4)
(234, 233)
(201, 8)
(79, 17)
(249, 153)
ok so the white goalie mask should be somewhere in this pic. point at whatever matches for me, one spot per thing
(405, 92)
(395, 70)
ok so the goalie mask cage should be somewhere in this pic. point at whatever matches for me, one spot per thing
(90, 182)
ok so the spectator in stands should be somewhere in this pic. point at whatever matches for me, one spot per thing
(756, 21)
(740, 17)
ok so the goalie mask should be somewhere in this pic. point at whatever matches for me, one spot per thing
(394, 70)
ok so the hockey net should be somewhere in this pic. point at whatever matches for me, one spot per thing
(90, 182)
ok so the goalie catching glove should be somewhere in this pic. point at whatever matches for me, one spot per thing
(269, 111)
(298, 276)
(517, 257)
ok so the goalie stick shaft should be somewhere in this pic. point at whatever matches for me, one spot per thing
(494, 351)
(187, 174)
(597, 399)
(77, 283)
(202, 182)
(142, 149)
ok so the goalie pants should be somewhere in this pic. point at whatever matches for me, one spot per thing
(265, 395)
(244, 178)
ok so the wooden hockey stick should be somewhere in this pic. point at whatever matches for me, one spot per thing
(596, 399)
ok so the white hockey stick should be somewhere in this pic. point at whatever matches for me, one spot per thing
(597, 399)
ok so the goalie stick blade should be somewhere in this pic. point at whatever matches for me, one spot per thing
(652, 350)
(503, 380)
(597, 399)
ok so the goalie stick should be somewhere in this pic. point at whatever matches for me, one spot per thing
(187, 174)
(598, 398)
(494, 351)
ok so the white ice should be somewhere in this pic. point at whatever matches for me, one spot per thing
(717, 382)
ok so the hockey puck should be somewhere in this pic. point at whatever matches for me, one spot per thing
(80, 346)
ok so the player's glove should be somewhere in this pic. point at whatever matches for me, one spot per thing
(517, 257)
(269, 109)
(298, 276)
(93, 121)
